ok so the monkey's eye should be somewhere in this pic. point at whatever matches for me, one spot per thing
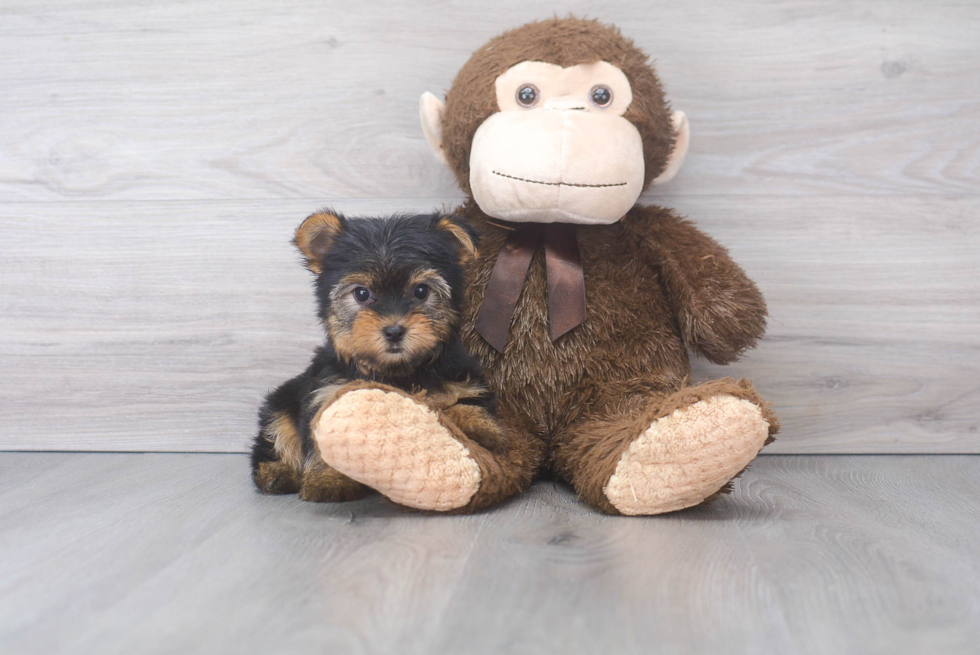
(362, 294)
(421, 291)
(527, 95)
(601, 96)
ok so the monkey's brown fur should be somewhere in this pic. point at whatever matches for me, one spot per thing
(654, 284)
(565, 42)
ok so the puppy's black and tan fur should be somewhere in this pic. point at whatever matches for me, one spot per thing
(390, 293)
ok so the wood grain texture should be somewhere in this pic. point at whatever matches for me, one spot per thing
(113, 553)
(155, 159)
(136, 326)
(872, 342)
(293, 98)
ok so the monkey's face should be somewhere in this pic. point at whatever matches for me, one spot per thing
(560, 148)
(561, 120)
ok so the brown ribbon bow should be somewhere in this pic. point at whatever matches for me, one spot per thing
(566, 281)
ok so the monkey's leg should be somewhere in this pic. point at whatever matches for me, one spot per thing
(420, 457)
(640, 455)
(508, 455)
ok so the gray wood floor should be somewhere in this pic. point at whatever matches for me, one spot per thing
(155, 553)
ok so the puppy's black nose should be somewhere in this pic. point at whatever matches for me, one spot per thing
(393, 333)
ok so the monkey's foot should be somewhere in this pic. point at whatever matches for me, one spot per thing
(686, 456)
(387, 441)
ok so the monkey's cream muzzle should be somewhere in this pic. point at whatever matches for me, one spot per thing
(552, 165)
(556, 152)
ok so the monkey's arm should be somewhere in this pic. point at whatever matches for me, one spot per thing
(720, 310)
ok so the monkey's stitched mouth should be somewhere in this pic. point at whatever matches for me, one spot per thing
(591, 186)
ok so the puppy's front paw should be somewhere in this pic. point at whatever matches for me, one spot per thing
(276, 478)
(325, 485)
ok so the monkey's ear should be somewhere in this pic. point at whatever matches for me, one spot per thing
(682, 138)
(431, 110)
(462, 231)
(317, 235)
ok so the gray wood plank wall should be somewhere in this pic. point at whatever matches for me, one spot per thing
(154, 160)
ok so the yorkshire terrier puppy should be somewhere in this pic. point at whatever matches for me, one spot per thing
(390, 293)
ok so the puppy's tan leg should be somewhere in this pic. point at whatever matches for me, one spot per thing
(277, 456)
(323, 484)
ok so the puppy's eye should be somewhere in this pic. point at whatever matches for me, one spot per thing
(421, 291)
(527, 95)
(362, 294)
(601, 96)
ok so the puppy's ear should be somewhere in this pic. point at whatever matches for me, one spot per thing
(461, 230)
(317, 235)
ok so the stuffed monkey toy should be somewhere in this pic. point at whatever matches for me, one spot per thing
(581, 304)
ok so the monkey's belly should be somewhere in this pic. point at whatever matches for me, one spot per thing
(629, 339)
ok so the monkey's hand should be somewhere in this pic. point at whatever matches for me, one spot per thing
(720, 310)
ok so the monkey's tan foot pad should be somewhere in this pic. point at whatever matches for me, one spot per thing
(686, 456)
(391, 443)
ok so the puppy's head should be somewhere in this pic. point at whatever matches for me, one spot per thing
(390, 290)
